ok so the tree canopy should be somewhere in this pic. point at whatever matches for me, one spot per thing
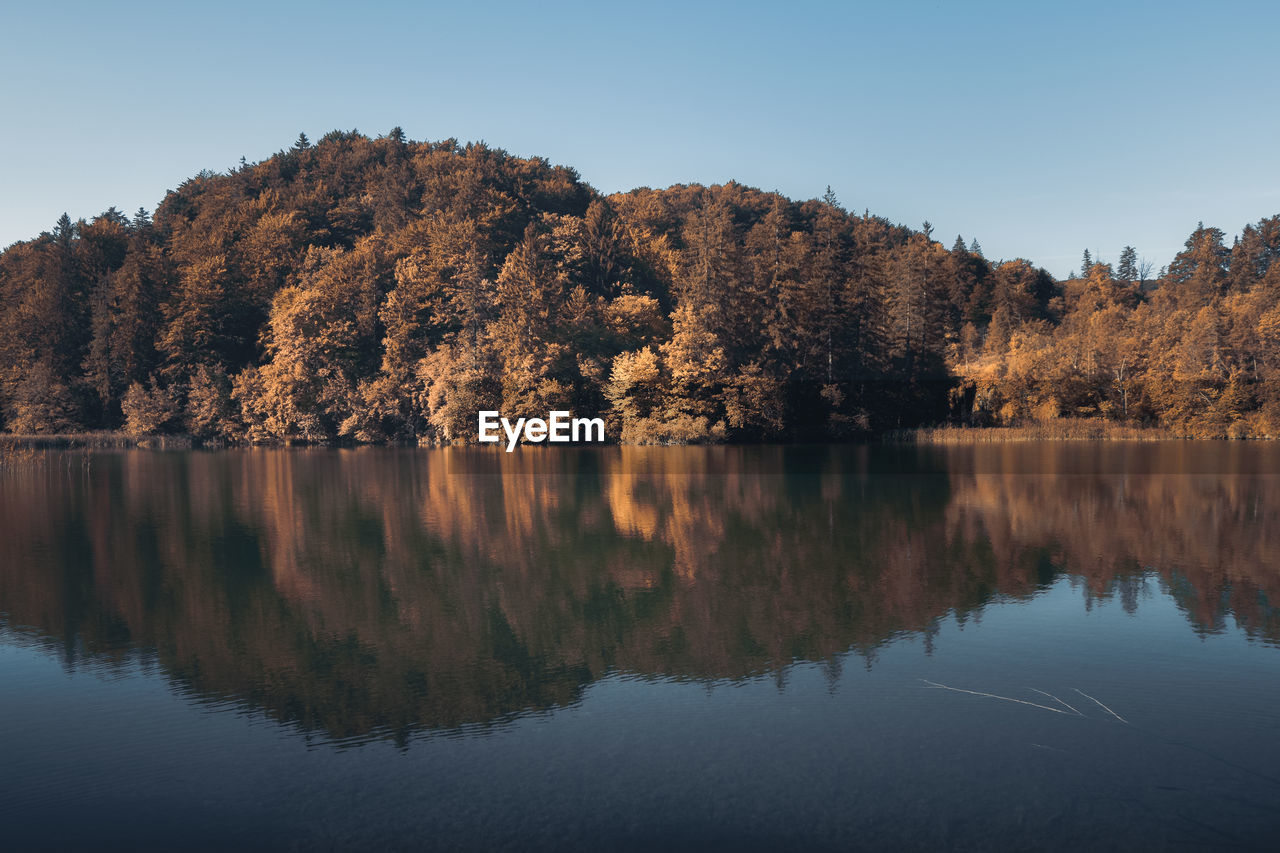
(383, 289)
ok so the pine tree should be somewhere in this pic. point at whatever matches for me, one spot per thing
(1199, 272)
(65, 231)
(1128, 270)
(830, 200)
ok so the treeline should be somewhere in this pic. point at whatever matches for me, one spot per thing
(384, 289)
(1198, 354)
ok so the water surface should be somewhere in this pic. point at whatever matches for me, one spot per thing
(629, 647)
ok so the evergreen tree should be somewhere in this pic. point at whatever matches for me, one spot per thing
(1198, 273)
(830, 200)
(1127, 272)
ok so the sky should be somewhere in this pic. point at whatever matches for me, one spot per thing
(1040, 129)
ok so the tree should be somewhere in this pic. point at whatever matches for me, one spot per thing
(635, 392)
(207, 319)
(210, 411)
(126, 322)
(147, 409)
(1198, 274)
(1127, 271)
(1144, 271)
(919, 300)
(42, 403)
(321, 344)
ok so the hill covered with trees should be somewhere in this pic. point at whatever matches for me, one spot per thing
(384, 289)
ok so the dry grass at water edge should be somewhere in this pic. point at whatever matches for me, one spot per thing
(1058, 430)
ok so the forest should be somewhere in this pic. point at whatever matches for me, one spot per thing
(385, 290)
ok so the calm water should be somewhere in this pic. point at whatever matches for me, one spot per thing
(717, 648)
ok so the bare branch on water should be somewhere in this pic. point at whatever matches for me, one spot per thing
(1100, 705)
(1056, 699)
(994, 696)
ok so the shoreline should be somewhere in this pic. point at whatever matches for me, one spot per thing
(1068, 430)
(94, 441)
(1063, 430)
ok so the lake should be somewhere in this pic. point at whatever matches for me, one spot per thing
(1049, 646)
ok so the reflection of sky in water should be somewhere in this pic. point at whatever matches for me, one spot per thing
(835, 753)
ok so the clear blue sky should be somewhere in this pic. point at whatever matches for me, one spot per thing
(1039, 128)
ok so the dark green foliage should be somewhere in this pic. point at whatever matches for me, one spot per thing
(1127, 271)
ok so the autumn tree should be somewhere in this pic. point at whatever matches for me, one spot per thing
(377, 289)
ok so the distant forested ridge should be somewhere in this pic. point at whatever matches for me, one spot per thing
(386, 290)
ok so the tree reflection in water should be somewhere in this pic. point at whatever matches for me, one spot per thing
(375, 593)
